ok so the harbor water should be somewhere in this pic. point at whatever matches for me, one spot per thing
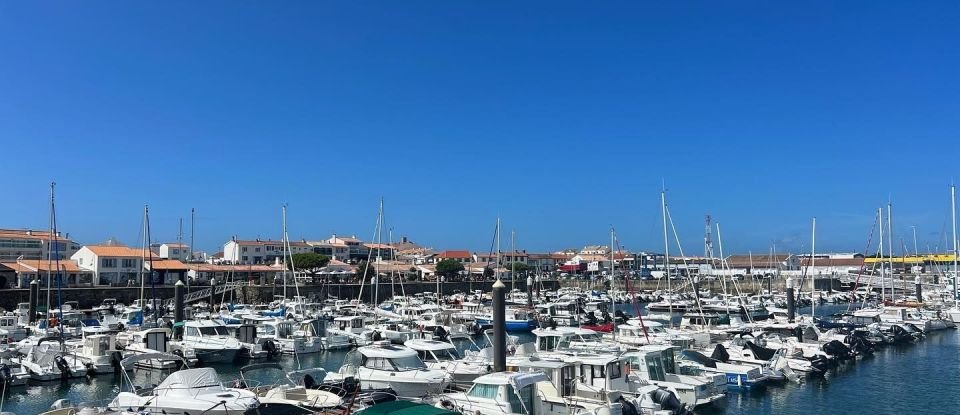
(915, 378)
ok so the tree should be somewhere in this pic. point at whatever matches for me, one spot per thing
(520, 268)
(449, 268)
(308, 261)
(487, 272)
(365, 270)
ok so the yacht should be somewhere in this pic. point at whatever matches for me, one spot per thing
(99, 352)
(210, 340)
(385, 366)
(46, 361)
(656, 365)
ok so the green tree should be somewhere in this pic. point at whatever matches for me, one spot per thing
(365, 271)
(520, 268)
(449, 268)
(308, 261)
(487, 272)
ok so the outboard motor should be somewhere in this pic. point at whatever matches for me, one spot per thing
(63, 366)
(669, 401)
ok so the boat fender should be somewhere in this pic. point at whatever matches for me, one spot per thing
(120, 327)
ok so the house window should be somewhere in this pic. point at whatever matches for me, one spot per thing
(257, 249)
(108, 262)
(244, 258)
(129, 263)
(244, 249)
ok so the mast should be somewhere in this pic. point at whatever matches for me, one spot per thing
(376, 287)
(143, 256)
(890, 246)
(513, 262)
(666, 251)
(813, 278)
(153, 281)
(52, 248)
(613, 280)
(953, 218)
(883, 284)
(283, 242)
(50, 255)
(196, 273)
(496, 271)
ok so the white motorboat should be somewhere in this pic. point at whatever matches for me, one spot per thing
(210, 340)
(443, 355)
(46, 361)
(152, 341)
(187, 391)
(384, 366)
(285, 396)
(98, 351)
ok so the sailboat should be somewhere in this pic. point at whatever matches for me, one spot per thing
(954, 312)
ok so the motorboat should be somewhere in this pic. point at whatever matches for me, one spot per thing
(443, 355)
(98, 351)
(285, 396)
(153, 341)
(47, 361)
(382, 366)
(210, 340)
(193, 391)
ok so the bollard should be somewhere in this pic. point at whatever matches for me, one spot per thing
(916, 281)
(34, 298)
(213, 285)
(178, 293)
(791, 302)
(530, 292)
(499, 327)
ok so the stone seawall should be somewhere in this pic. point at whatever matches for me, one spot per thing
(90, 297)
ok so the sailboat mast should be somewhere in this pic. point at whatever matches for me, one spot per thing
(153, 282)
(143, 255)
(513, 258)
(613, 281)
(50, 254)
(883, 284)
(53, 246)
(813, 262)
(890, 246)
(197, 269)
(283, 236)
(666, 251)
(376, 287)
(953, 218)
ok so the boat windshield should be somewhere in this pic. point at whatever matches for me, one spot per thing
(213, 331)
(594, 337)
(407, 363)
(444, 355)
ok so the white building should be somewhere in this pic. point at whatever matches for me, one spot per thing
(174, 250)
(337, 251)
(237, 251)
(111, 265)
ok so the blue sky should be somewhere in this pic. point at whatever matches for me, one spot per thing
(561, 117)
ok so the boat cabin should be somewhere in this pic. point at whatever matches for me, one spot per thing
(433, 350)
(351, 324)
(205, 328)
(509, 392)
(384, 357)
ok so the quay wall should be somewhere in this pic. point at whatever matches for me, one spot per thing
(90, 297)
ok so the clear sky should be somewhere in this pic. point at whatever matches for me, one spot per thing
(562, 117)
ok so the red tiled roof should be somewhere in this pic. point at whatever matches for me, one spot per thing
(118, 251)
(455, 254)
(33, 265)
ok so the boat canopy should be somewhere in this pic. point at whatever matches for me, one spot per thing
(187, 382)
